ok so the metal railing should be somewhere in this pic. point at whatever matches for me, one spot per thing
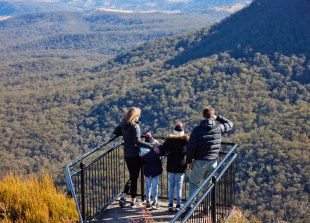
(93, 180)
(214, 199)
(97, 178)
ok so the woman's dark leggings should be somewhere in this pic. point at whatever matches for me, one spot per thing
(134, 166)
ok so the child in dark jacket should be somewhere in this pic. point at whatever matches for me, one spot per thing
(176, 147)
(152, 167)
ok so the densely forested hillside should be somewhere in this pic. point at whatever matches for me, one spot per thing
(53, 109)
(266, 27)
(43, 58)
(103, 32)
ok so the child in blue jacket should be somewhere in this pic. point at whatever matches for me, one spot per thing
(152, 167)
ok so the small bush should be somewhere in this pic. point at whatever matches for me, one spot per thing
(34, 200)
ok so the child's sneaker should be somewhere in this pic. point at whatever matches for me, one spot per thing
(177, 208)
(134, 204)
(122, 202)
(170, 207)
(148, 205)
(155, 206)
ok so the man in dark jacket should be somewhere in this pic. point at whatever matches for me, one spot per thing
(204, 146)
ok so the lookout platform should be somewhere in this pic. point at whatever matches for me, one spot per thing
(96, 180)
(114, 213)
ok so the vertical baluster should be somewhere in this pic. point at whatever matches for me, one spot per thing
(86, 174)
(96, 187)
(100, 182)
(233, 182)
(115, 163)
(109, 174)
(112, 174)
(221, 197)
(213, 201)
(105, 178)
(102, 179)
(119, 168)
(83, 192)
(91, 189)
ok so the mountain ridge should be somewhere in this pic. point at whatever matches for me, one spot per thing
(216, 7)
(278, 33)
(102, 32)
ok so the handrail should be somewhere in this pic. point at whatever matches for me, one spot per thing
(103, 154)
(226, 167)
(72, 191)
(202, 185)
(92, 151)
(197, 203)
(211, 186)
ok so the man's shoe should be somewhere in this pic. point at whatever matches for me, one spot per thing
(177, 208)
(122, 202)
(170, 207)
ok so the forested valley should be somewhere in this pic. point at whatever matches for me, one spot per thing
(253, 67)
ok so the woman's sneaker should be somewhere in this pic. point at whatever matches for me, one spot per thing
(170, 207)
(122, 202)
(134, 203)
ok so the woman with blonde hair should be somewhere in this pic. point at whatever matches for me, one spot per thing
(130, 130)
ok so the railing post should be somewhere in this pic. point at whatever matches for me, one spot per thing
(83, 191)
(213, 202)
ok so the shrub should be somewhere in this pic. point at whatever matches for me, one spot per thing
(34, 200)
